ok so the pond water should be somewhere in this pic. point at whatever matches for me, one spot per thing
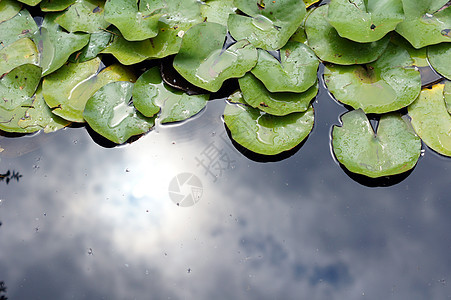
(90, 222)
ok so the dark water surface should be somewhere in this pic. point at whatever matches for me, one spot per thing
(88, 222)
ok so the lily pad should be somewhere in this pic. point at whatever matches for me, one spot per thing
(179, 17)
(30, 2)
(8, 9)
(388, 84)
(150, 94)
(67, 90)
(393, 149)
(426, 23)
(127, 52)
(431, 119)
(365, 21)
(440, 58)
(20, 26)
(269, 24)
(218, 11)
(264, 133)
(55, 46)
(16, 92)
(109, 113)
(98, 41)
(135, 21)
(18, 53)
(279, 104)
(296, 71)
(55, 5)
(85, 16)
(39, 115)
(419, 56)
(209, 66)
(329, 46)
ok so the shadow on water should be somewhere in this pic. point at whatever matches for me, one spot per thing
(261, 157)
(385, 181)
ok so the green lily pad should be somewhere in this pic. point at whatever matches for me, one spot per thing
(55, 46)
(109, 113)
(218, 11)
(393, 149)
(440, 58)
(20, 26)
(67, 90)
(127, 52)
(85, 16)
(98, 41)
(425, 22)
(365, 21)
(279, 104)
(18, 53)
(8, 9)
(16, 92)
(388, 84)
(209, 66)
(55, 5)
(150, 94)
(30, 2)
(270, 23)
(179, 17)
(419, 56)
(431, 119)
(135, 21)
(264, 133)
(447, 95)
(296, 71)
(329, 46)
(39, 115)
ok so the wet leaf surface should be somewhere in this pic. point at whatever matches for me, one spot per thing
(440, 58)
(56, 5)
(218, 11)
(97, 43)
(431, 119)
(150, 94)
(393, 149)
(388, 84)
(267, 134)
(296, 71)
(8, 9)
(329, 46)
(135, 19)
(268, 25)
(279, 104)
(20, 26)
(16, 91)
(55, 46)
(84, 16)
(209, 66)
(426, 23)
(128, 52)
(67, 90)
(110, 113)
(365, 21)
(20, 52)
(39, 115)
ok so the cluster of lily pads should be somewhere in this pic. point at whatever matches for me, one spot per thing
(52, 70)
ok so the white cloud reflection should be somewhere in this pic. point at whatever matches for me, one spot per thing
(95, 223)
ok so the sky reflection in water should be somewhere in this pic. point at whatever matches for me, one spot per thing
(87, 222)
